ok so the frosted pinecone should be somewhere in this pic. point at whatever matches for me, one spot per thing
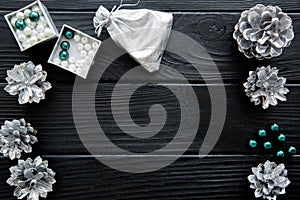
(28, 81)
(264, 86)
(263, 32)
(32, 178)
(269, 180)
(16, 136)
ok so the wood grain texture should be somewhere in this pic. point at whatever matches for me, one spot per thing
(188, 178)
(58, 136)
(221, 175)
(165, 5)
(217, 40)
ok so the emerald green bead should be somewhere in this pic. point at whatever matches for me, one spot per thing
(292, 150)
(20, 24)
(267, 145)
(69, 34)
(262, 133)
(34, 16)
(282, 138)
(275, 127)
(280, 154)
(63, 55)
(65, 45)
(252, 143)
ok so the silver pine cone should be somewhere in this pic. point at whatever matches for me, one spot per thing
(263, 32)
(269, 180)
(28, 81)
(264, 86)
(16, 136)
(32, 178)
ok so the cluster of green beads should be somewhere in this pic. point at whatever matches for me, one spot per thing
(33, 16)
(268, 145)
(65, 45)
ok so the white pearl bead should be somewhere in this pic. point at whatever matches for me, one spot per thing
(18, 32)
(95, 45)
(42, 21)
(91, 53)
(78, 63)
(78, 71)
(64, 64)
(84, 40)
(27, 31)
(13, 21)
(36, 9)
(22, 37)
(80, 46)
(33, 40)
(83, 62)
(20, 15)
(27, 12)
(72, 60)
(57, 61)
(88, 60)
(25, 44)
(77, 38)
(72, 67)
(87, 47)
(40, 28)
(48, 32)
(40, 36)
(83, 53)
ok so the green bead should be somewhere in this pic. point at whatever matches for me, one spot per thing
(292, 150)
(280, 154)
(65, 45)
(63, 55)
(252, 143)
(34, 16)
(262, 133)
(20, 24)
(282, 138)
(275, 127)
(69, 34)
(267, 145)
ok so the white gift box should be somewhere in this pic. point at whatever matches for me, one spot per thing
(35, 32)
(80, 54)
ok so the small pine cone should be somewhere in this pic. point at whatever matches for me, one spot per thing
(263, 32)
(32, 178)
(264, 86)
(28, 81)
(16, 136)
(269, 180)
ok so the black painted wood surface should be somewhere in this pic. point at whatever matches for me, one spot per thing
(222, 174)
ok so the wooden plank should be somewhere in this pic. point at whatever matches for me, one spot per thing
(188, 178)
(218, 42)
(163, 5)
(57, 135)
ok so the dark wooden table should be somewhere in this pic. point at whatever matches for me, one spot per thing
(220, 175)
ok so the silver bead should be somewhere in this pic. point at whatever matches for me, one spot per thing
(87, 47)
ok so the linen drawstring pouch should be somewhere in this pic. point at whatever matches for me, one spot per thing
(142, 33)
